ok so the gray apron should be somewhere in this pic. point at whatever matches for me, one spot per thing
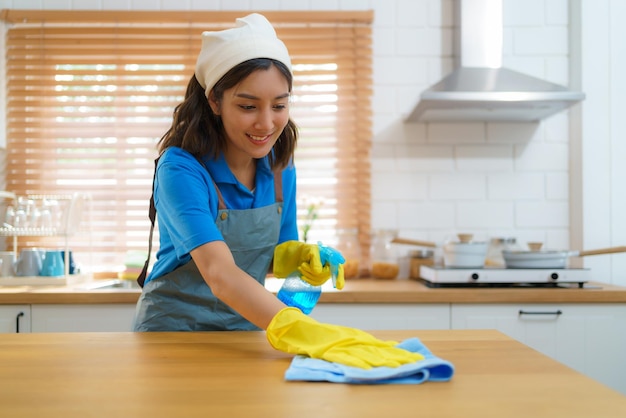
(182, 301)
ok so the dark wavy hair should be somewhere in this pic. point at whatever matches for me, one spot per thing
(199, 131)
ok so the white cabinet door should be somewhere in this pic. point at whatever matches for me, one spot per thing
(377, 316)
(14, 318)
(83, 318)
(590, 338)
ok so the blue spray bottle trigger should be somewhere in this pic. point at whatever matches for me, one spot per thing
(333, 258)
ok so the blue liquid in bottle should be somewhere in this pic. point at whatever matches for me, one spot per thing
(299, 294)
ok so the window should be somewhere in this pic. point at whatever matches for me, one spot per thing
(89, 94)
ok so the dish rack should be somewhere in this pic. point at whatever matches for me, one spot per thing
(42, 216)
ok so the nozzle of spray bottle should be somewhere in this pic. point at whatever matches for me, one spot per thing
(333, 258)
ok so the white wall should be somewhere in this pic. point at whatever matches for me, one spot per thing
(554, 181)
(598, 201)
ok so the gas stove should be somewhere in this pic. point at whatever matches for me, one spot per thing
(444, 276)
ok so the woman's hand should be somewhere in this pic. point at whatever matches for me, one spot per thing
(291, 256)
(293, 332)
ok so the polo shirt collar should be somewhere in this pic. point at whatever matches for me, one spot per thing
(220, 172)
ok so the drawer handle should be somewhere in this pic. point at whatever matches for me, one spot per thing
(17, 322)
(522, 312)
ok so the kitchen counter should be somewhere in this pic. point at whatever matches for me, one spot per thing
(237, 374)
(355, 291)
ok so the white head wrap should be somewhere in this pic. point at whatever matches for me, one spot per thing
(252, 37)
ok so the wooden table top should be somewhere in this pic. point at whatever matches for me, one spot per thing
(237, 374)
(356, 291)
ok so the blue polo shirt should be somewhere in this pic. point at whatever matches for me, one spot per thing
(187, 203)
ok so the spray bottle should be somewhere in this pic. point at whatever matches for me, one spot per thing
(299, 293)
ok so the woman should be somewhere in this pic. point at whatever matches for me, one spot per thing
(224, 191)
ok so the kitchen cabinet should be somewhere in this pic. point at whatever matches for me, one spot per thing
(114, 317)
(590, 338)
(83, 318)
(118, 317)
(391, 316)
(14, 318)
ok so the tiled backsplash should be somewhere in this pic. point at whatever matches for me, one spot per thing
(493, 179)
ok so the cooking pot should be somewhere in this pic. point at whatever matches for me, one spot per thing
(549, 259)
(470, 254)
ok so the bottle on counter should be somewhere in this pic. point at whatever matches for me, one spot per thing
(383, 257)
(419, 258)
(349, 246)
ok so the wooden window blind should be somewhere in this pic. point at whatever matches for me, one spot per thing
(89, 94)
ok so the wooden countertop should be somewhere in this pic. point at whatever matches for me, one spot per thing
(355, 291)
(237, 374)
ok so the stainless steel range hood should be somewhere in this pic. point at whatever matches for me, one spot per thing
(480, 89)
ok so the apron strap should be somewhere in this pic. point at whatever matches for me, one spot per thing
(220, 200)
(152, 215)
(278, 185)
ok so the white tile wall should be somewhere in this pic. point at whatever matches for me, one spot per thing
(516, 187)
(598, 200)
(430, 180)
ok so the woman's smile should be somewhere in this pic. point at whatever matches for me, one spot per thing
(259, 139)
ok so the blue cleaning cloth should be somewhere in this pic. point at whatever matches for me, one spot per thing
(431, 368)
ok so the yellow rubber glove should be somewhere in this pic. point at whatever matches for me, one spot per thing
(305, 258)
(310, 276)
(293, 332)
